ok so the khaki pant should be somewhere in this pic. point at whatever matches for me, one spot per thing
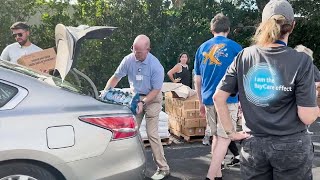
(213, 122)
(151, 112)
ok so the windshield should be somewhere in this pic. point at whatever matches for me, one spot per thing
(54, 81)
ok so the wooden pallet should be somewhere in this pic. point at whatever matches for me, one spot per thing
(164, 142)
(193, 138)
(181, 136)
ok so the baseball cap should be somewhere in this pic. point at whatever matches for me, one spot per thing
(278, 7)
(20, 25)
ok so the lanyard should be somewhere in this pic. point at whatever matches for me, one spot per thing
(280, 42)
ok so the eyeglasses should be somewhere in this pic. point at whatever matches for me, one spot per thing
(17, 34)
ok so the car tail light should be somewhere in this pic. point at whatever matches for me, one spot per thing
(121, 126)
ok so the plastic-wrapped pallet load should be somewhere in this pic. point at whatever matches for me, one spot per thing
(162, 129)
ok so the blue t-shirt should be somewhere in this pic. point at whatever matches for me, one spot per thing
(212, 59)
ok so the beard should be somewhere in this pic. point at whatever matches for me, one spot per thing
(23, 42)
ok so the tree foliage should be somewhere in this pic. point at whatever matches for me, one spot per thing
(174, 26)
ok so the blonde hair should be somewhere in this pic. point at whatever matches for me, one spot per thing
(271, 30)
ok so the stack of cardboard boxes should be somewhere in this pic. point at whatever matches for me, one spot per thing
(184, 116)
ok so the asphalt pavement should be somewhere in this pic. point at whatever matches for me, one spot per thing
(190, 161)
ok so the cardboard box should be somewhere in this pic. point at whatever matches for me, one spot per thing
(189, 114)
(176, 90)
(202, 122)
(175, 132)
(172, 122)
(171, 95)
(189, 104)
(190, 123)
(177, 111)
(42, 61)
(197, 104)
(178, 127)
(199, 131)
(188, 131)
(168, 106)
(197, 112)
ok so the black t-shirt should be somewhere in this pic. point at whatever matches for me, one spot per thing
(185, 76)
(316, 74)
(271, 83)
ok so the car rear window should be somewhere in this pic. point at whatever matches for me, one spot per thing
(7, 92)
(55, 81)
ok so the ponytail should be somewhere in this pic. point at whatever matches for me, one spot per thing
(271, 30)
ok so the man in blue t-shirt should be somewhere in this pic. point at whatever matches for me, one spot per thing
(212, 59)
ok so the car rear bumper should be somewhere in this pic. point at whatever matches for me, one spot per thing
(122, 160)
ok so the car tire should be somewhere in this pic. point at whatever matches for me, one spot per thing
(20, 169)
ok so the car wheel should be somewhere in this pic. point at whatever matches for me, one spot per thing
(24, 171)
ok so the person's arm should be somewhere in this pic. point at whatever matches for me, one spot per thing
(121, 71)
(308, 114)
(227, 86)
(220, 102)
(172, 71)
(5, 54)
(305, 92)
(150, 96)
(198, 79)
(197, 86)
(112, 82)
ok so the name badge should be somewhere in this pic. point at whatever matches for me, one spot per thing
(139, 77)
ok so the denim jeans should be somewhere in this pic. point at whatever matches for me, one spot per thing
(277, 157)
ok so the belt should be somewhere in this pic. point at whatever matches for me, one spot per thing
(142, 94)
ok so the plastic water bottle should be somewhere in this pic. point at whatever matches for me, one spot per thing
(127, 98)
(108, 95)
(134, 103)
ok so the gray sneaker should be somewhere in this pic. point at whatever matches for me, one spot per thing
(160, 174)
(206, 140)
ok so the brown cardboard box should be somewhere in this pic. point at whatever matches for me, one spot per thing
(43, 61)
(175, 132)
(197, 104)
(168, 106)
(189, 104)
(190, 123)
(176, 90)
(177, 111)
(197, 112)
(171, 94)
(202, 122)
(178, 127)
(172, 122)
(189, 114)
(199, 131)
(188, 131)
(186, 103)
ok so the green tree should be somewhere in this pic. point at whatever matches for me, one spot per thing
(10, 12)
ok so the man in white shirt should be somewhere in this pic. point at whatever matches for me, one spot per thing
(23, 46)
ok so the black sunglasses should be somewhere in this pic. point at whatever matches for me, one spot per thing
(17, 34)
